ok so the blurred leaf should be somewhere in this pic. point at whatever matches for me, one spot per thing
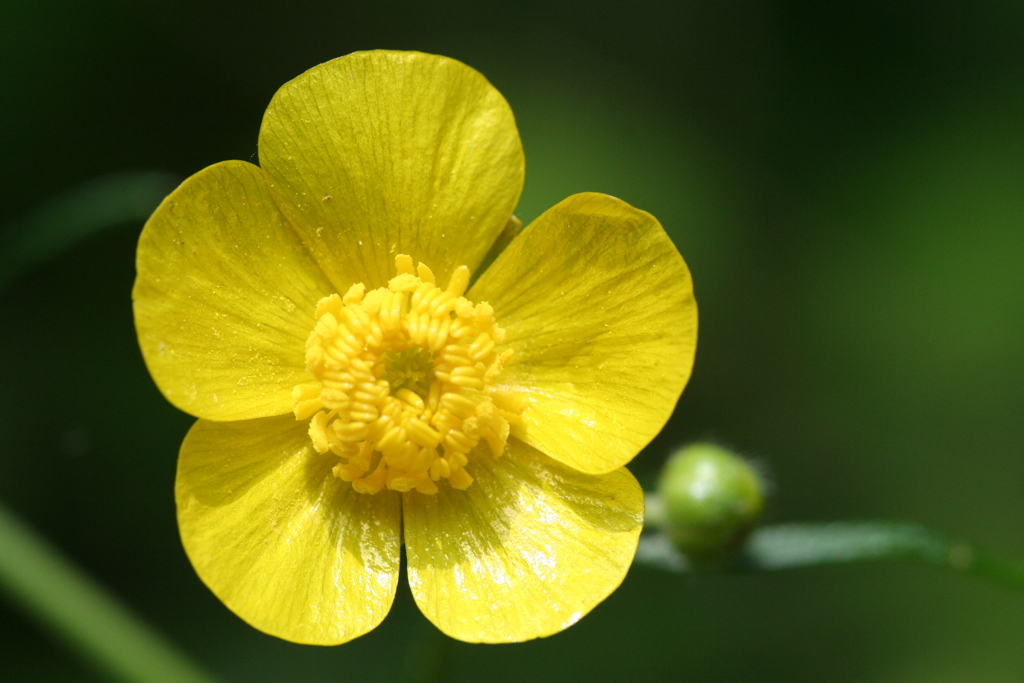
(80, 213)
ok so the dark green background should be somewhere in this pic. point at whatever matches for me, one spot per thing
(845, 180)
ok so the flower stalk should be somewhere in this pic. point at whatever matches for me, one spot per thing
(800, 545)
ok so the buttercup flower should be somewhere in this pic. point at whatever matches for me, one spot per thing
(355, 393)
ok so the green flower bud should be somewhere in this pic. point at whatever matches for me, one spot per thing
(712, 499)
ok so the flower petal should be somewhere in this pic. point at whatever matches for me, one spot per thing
(225, 296)
(598, 306)
(383, 153)
(278, 538)
(528, 549)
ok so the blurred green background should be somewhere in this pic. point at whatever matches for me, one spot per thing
(845, 180)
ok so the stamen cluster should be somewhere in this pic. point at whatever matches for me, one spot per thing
(405, 382)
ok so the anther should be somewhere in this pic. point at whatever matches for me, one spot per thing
(402, 372)
(459, 281)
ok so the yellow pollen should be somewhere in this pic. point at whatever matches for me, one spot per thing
(405, 382)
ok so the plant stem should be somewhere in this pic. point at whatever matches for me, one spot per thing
(796, 545)
(426, 653)
(53, 590)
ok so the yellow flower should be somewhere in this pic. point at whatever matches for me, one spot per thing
(350, 401)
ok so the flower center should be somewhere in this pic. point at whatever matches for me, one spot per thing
(405, 382)
(412, 369)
